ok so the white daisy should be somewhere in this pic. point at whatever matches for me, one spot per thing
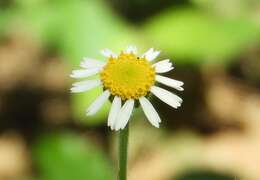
(128, 78)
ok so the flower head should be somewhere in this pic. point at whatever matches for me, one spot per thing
(127, 78)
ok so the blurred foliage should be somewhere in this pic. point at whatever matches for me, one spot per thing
(75, 29)
(5, 16)
(195, 34)
(190, 31)
(67, 156)
(69, 26)
(192, 36)
(231, 8)
(137, 11)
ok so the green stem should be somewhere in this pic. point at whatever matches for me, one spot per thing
(123, 143)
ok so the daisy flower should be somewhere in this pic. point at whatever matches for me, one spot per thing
(127, 79)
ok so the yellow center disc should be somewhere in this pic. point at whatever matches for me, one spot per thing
(128, 76)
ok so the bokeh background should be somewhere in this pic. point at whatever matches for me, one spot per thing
(215, 47)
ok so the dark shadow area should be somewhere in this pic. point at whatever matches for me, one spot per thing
(204, 175)
(137, 11)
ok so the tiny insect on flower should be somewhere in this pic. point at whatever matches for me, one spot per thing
(127, 77)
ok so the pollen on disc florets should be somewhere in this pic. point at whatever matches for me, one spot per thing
(128, 76)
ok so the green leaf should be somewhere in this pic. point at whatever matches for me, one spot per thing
(192, 36)
(67, 156)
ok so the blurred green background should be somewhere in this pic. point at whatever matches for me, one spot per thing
(214, 46)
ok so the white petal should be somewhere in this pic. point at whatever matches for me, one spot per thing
(114, 110)
(150, 112)
(124, 114)
(167, 97)
(163, 69)
(164, 62)
(170, 82)
(82, 73)
(98, 103)
(131, 49)
(163, 66)
(85, 85)
(108, 53)
(91, 63)
(151, 54)
(149, 51)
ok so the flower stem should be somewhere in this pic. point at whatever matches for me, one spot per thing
(123, 144)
